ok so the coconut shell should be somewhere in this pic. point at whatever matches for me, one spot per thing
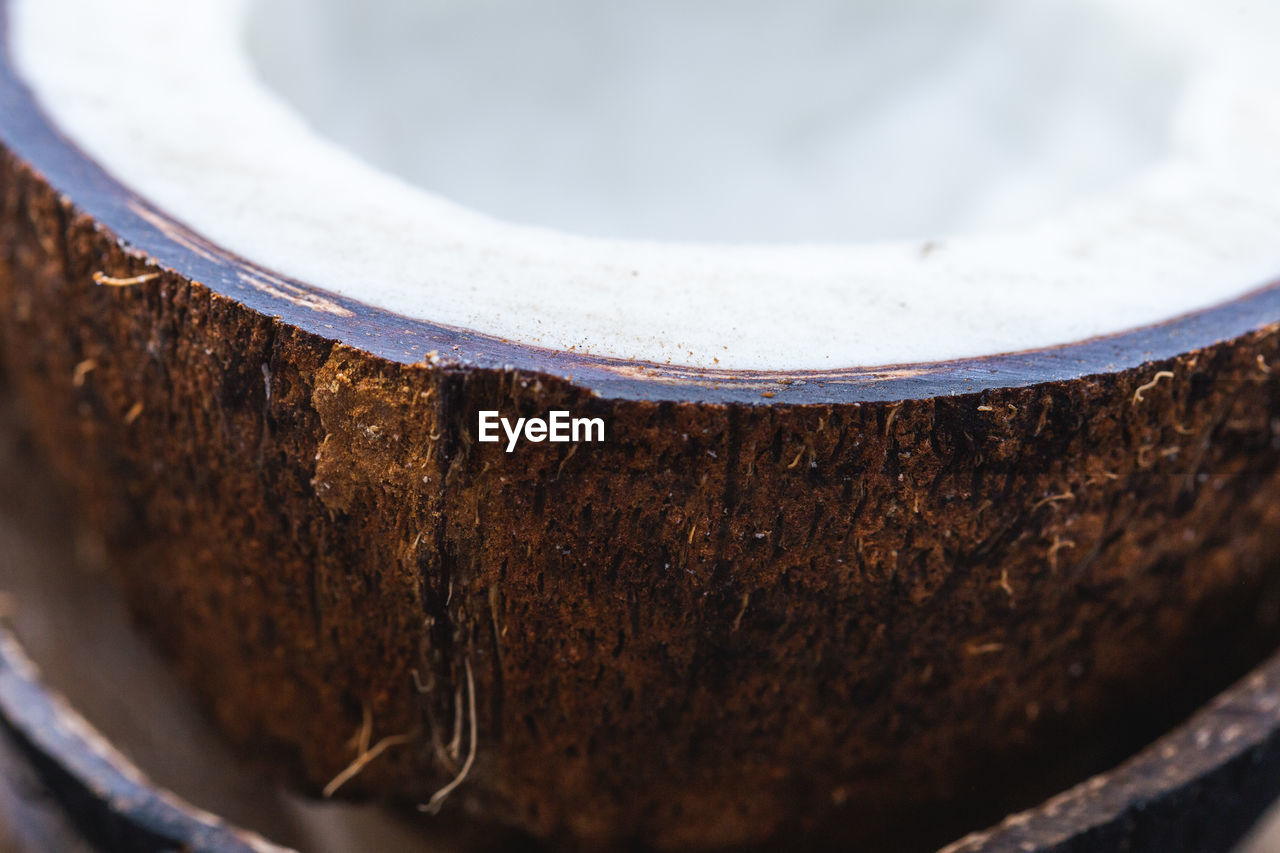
(768, 606)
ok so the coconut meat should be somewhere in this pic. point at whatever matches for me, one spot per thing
(755, 185)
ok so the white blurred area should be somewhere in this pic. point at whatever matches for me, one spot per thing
(1266, 838)
(752, 121)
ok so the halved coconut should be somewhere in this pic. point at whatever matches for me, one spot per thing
(935, 353)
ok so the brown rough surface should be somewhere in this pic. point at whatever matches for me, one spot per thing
(728, 625)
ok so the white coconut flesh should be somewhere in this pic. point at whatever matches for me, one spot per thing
(808, 185)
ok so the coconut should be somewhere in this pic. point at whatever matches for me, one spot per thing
(934, 356)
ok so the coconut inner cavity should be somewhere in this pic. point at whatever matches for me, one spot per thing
(842, 183)
(758, 121)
